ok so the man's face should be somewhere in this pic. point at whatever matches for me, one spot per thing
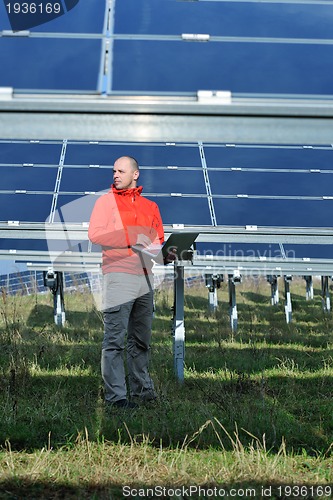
(124, 177)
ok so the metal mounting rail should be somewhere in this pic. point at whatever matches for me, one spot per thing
(218, 234)
(253, 267)
(244, 265)
(249, 119)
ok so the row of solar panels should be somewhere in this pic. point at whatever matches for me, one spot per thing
(283, 18)
(171, 46)
(194, 184)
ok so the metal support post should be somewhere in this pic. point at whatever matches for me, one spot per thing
(273, 280)
(232, 280)
(309, 287)
(55, 282)
(213, 282)
(212, 299)
(59, 303)
(178, 322)
(325, 294)
(288, 305)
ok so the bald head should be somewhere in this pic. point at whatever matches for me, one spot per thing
(125, 172)
(132, 161)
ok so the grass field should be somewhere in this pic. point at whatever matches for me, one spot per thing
(254, 415)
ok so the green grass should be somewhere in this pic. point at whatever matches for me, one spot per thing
(255, 409)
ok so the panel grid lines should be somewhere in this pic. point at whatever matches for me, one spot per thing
(224, 39)
(273, 170)
(58, 181)
(271, 197)
(107, 55)
(207, 184)
(186, 182)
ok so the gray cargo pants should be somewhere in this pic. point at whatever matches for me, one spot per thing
(129, 308)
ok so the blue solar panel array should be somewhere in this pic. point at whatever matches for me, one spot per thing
(248, 185)
(31, 282)
(140, 47)
(63, 54)
(22, 283)
(284, 49)
(194, 184)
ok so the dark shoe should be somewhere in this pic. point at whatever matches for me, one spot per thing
(122, 403)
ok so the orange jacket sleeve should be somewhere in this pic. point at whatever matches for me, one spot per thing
(158, 226)
(103, 225)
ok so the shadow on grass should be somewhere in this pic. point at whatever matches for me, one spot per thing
(283, 405)
(279, 408)
(37, 489)
(273, 390)
(280, 395)
(42, 314)
(254, 359)
(39, 411)
(274, 409)
(257, 298)
(252, 329)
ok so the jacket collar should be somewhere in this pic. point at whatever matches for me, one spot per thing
(127, 192)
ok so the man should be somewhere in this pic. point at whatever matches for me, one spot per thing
(121, 219)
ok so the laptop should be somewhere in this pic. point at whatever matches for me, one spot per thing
(180, 242)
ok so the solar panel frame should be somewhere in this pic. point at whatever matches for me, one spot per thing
(246, 67)
(75, 64)
(194, 17)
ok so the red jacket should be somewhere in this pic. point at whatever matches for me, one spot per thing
(116, 220)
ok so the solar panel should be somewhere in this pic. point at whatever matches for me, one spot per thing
(104, 154)
(270, 184)
(82, 180)
(75, 64)
(248, 68)
(74, 208)
(136, 49)
(177, 182)
(308, 251)
(25, 245)
(25, 207)
(27, 178)
(213, 185)
(281, 51)
(224, 18)
(180, 210)
(29, 152)
(269, 157)
(175, 49)
(86, 17)
(243, 211)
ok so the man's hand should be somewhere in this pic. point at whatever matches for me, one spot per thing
(143, 240)
(171, 255)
